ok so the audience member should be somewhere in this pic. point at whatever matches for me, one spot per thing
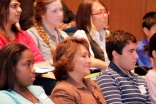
(149, 28)
(72, 63)
(151, 75)
(47, 15)
(91, 19)
(17, 75)
(68, 24)
(10, 13)
(118, 84)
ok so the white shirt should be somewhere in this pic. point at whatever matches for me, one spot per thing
(96, 38)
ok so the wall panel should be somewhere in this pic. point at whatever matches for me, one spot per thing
(124, 14)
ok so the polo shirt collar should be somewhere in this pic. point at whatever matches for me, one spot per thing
(118, 70)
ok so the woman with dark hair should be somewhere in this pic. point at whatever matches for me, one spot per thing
(17, 75)
(9, 15)
(151, 75)
(91, 22)
(47, 15)
(72, 63)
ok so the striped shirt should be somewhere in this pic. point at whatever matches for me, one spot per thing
(120, 88)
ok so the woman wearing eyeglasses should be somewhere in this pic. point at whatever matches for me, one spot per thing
(91, 20)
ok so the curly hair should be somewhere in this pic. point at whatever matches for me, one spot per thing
(64, 54)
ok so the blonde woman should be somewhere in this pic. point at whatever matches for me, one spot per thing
(48, 14)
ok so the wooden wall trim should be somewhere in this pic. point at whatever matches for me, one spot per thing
(124, 14)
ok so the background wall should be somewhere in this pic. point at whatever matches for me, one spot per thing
(124, 14)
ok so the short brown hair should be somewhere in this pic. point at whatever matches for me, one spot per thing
(149, 20)
(117, 41)
(64, 54)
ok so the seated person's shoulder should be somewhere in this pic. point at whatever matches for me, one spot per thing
(79, 33)
(6, 98)
(23, 34)
(135, 75)
(64, 34)
(36, 88)
(151, 74)
(40, 93)
(107, 75)
(107, 71)
(64, 85)
(92, 83)
(140, 78)
(64, 89)
(32, 29)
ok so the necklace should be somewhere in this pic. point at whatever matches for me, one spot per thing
(33, 98)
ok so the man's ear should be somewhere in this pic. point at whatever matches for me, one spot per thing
(115, 55)
(146, 31)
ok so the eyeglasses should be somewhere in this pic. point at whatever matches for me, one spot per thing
(102, 12)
